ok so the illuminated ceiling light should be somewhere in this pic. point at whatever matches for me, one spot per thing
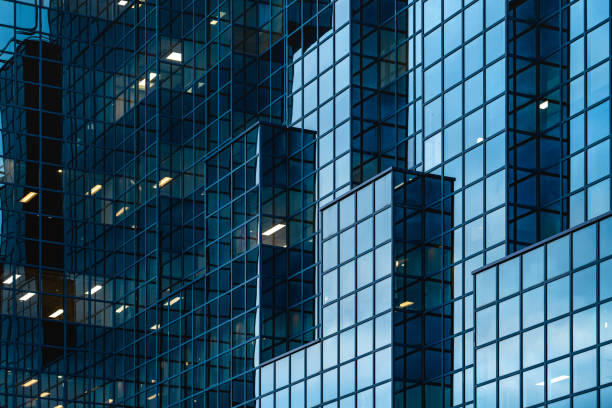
(57, 313)
(540, 384)
(221, 14)
(173, 301)
(543, 105)
(121, 308)
(93, 290)
(28, 197)
(559, 378)
(95, 189)
(29, 383)
(60, 171)
(273, 230)
(11, 278)
(214, 22)
(27, 296)
(175, 56)
(400, 185)
(406, 304)
(605, 325)
(59, 406)
(44, 394)
(154, 327)
(121, 211)
(479, 140)
(110, 401)
(163, 182)
(152, 397)
(122, 3)
(142, 84)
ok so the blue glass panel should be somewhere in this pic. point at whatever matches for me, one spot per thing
(584, 288)
(558, 378)
(587, 400)
(584, 246)
(473, 58)
(585, 370)
(605, 364)
(472, 17)
(584, 329)
(533, 347)
(486, 286)
(486, 396)
(598, 45)
(347, 374)
(598, 122)
(557, 338)
(605, 322)
(509, 355)
(533, 267)
(533, 391)
(509, 316)
(557, 297)
(486, 359)
(533, 307)
(486, 325)
(509, 392)
(557, 257)
(596, 11)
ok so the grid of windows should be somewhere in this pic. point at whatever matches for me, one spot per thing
(543, 331)
(192, 190)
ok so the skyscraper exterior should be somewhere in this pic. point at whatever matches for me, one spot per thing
(308, 203)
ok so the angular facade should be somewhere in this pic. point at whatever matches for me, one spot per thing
(307, 203)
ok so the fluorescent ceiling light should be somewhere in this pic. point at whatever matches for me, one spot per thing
(28, 197)
(543, 105)
(173, 301)
(95, 189)
(121, 308)
(122, 2)
(214, 22)
(540, 384)
(30, 383)
(399, 186)
(44, 394)
(406, 304)
(142, 84)
(163, 182)
(175, 56)
(559, 378)
(27, 296)
(57, 313)
(121, 211)
(154, 327)
(11, 278)
(479, 140)
(152, 397)
(59, 406)
(273, 230)
(93, 290)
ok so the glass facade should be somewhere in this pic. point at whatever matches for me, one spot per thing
(305, 203)
(543, 323)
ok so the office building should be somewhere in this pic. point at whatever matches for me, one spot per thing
(309, 203)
